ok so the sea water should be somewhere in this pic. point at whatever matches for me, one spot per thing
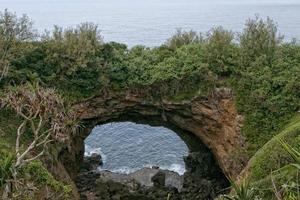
(152, 22)
(126, 147)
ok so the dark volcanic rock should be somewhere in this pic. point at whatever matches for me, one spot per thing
(159, 179)
(203, 180)
(200, 182)
(145, 184)
(91, 162)
(85, 181)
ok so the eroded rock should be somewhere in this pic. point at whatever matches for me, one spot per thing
(91, 162)
(214, 119)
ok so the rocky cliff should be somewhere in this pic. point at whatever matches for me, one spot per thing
(213, 118)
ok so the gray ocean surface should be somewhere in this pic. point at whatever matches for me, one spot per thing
(151, 22)
(126, 147)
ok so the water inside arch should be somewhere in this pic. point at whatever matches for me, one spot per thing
(148, 159)
(126, 147)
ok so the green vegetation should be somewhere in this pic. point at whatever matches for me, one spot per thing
(272, 170)
(36, 117)
(262, 70)
(292, 152)
(242, 191)
(272, 156)
(42, 177)
(6, 163)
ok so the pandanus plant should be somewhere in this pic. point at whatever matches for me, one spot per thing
(295, 155)
(289, 191)
(242, 191)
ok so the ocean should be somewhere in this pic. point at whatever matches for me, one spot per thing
(152, 22)
(126, 147)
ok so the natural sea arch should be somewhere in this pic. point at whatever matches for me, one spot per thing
(213, 119)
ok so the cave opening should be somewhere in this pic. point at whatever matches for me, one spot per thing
(147, 159)
(209, 125)
(126, 147)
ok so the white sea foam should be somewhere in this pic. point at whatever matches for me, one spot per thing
(89, 151)
(127, 147)
(178, 168)
(125, 170)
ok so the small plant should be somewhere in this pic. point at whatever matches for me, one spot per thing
(291, 189)
(292, 152)
(6, 164)
(242, 191)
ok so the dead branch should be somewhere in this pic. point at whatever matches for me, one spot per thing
(44, 115)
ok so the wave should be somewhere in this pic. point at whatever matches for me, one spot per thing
(178, 168)
(130, 147)
(90, 151)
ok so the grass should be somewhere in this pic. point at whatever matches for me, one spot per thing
(272, 167)
(8, 126)
(40, 175)
(6, 163)
(272, 156)
(284, 183)
(242, 191)
(292, 152)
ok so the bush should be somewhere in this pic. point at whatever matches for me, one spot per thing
(221, 51)
(182, 38)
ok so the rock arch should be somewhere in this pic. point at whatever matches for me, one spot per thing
(214, 119)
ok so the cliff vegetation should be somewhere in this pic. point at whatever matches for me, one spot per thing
(75, 63)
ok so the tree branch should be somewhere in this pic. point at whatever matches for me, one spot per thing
(20, 131)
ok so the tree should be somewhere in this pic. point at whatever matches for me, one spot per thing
(73, 59)
(220, 50)
(13, 31)
(182, 38)
(44, 119)
(259, 40)
(73, 48)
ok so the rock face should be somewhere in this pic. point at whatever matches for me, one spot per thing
(146, 183)
(147, 177)
(91, 162)
(213, 119)
(203, 180)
